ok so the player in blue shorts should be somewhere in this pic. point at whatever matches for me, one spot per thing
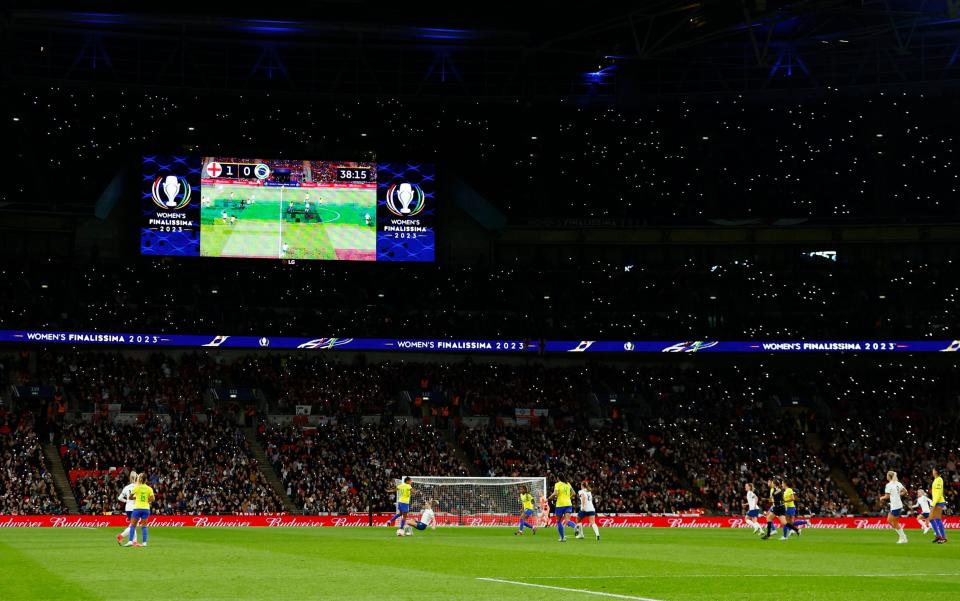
(587, 513)
(526, 511)
(753, 510)
(923, 505)
(939, 505)
(143, 495)
(404, 490)
(563, 493)
(427, 519)
(894, 491)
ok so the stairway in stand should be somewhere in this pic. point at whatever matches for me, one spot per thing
(815, 444)
(60, 480)
(267, 469)
(458, 452)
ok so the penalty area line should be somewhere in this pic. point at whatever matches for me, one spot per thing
(569, 590)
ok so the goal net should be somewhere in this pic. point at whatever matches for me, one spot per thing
(466, 501)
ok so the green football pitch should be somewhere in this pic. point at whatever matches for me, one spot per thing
(336, 227)
(461, 563)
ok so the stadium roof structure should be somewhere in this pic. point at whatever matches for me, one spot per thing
(493, 51)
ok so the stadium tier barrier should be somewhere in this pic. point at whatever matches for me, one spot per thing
(199, 341)
(379, 519)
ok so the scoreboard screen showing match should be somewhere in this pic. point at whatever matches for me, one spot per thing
(218, 206)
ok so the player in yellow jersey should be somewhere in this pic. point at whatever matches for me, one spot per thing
(404, 490)
(563, 493)
(790, 521)
(936, 512)
(526, 510)
(142, 497)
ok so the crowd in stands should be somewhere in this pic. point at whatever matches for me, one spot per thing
(329, 387)
(661, 436)
(154, 383)
(623, 468)
(909, 445)
(195, 466)
(907, 421)
(737, 299)
(721, 456)
(827, 156)
(352, 468)
(26, 485)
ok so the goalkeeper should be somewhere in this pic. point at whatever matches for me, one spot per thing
(427, 519)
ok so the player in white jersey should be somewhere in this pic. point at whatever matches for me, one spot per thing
(427, 519)
(126, 495)
(923, 504)
(588, 513)
(892, 491)
(753, 510)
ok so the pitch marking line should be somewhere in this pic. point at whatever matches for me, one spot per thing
(656, 576)
(569, 590)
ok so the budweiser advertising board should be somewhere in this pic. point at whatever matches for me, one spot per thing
(291, 521)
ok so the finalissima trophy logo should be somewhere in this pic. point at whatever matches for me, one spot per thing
(170, 193)
(405, 199)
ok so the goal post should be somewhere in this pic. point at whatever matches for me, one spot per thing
(474, 501)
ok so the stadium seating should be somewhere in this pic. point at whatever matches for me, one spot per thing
(657, 437)
(735, 299)
(691, 160)
(26, 485)
(195, 466)
(622, 467)
(351, 468)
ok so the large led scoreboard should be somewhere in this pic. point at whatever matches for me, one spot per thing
(216, 206)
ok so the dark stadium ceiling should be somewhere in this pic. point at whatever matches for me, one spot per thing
(492, 50)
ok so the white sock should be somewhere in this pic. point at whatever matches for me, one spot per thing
(596, 530)
(902, 535)
(125, 532)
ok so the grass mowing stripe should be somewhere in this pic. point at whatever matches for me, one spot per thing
(372, 564)
(569, 590)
